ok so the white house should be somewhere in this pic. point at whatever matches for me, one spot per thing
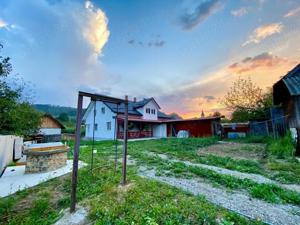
(105, 120)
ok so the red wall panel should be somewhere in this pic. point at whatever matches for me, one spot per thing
(195, 128)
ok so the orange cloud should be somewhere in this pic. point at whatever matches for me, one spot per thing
(262, 61)
(206, 94)
(263, 32)
(293, 12)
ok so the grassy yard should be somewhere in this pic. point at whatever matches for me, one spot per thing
(142, 201)
(178, 148)
(145, 201)
(283, 169)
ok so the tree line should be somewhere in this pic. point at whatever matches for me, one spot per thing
(17, 115)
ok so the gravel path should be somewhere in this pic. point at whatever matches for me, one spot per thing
(275, 214)
(254, 177)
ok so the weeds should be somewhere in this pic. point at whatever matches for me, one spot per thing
(268, 192)
(145, 201)
(283, 147)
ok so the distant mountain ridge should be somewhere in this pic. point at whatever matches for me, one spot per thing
(56, 110)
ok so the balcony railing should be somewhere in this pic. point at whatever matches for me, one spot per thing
(136, 134)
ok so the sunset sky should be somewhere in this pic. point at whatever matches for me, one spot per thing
(184, 53)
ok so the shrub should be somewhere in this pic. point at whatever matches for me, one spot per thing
(282, 147)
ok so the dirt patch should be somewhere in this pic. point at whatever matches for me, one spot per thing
(79, 217)
(121, 191)
(125, 188)
(235, 150)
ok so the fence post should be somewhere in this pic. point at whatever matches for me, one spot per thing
(125, 136)
(267, 128)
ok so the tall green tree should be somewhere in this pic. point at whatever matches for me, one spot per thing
(17, 116)
(247, 101)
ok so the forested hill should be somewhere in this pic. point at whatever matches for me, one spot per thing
(56, 110)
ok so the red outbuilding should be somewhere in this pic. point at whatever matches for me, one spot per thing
(198, 127)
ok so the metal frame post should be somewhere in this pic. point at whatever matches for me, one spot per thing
(95, 97)
(76, 153)
(116, 138)
(93, 143)
(125, 136)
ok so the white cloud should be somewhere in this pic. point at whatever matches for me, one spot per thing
(3, 24)
(96, 30)
(292, 12)
(263, 32)
(239, 12)
(88, 5)
(57, 47)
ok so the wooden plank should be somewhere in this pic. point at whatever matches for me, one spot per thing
(63, 147)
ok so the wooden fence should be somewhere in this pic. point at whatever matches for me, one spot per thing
(10, 149)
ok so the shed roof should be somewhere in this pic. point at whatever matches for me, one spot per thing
(292, 81)
(57, 122)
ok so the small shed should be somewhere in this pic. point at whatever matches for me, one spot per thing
(286, 93)
(236, 129)
(49, 130)
(198, 127)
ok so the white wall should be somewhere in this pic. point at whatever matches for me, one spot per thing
(101, 120)
(7, 149)
(50, 131)
(148, 116)
(160, 130)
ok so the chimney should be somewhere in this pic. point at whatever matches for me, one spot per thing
(134, 99)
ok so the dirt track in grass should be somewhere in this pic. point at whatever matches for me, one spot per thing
(276, 214)
(251, 176)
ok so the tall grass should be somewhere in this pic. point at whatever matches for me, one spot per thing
(283, 147)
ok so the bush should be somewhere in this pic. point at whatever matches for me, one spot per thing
(282, 147)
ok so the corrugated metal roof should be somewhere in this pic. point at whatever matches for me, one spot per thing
(292, 81)
(121, 108)
(132, 108)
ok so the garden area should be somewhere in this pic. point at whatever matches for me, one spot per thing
(173, 181)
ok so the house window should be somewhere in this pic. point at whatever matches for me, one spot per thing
(103, 110)
(88, 127)
(108, 125)
(148, 110)
(153, 111)
(96, 126)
